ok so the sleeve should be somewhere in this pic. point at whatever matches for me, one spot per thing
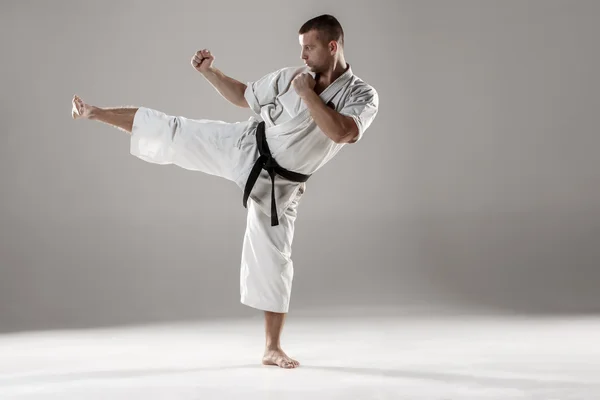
(362, 105)
(263, 91)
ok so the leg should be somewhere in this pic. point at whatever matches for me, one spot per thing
(274, 355)
(121, 118)
(267, 273)
(202, 145)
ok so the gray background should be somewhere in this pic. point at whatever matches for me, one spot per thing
(477, 185)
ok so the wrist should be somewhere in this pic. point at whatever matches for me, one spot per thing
(309, 96)
(208, 72)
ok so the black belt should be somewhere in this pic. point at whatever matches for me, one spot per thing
(267, 162)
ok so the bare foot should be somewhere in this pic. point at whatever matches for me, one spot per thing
(80, 109)
(279, 358)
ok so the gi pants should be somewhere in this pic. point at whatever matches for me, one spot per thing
(219, 148)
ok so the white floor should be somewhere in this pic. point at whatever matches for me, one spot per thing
(441, 358)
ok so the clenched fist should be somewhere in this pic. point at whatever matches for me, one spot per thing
(202, 60)
(303, 83)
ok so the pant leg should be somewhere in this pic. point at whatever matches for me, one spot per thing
(267, 269)
(208, 146)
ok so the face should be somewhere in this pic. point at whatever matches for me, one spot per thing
(317, 55)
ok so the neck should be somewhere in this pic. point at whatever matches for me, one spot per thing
(335, 71)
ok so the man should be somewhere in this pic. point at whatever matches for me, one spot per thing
(302, 116)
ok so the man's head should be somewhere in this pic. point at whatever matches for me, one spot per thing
(322, 41)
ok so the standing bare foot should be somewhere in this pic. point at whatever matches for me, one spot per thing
(279, 358)
(80, 109)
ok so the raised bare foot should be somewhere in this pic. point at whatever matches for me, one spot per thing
(279, 358)
(80, 109)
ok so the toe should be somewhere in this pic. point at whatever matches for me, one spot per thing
(283, 363)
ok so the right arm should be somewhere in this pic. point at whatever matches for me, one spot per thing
(231, 89)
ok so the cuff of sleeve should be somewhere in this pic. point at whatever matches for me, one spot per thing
(358, 124)
(251, 99)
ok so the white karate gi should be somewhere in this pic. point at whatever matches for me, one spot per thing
(229, 150)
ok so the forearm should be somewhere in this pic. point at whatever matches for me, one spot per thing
(231, 89)
(333, 124)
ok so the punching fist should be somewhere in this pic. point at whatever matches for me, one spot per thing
(202, 60)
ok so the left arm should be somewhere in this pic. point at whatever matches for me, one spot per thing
(339, 128)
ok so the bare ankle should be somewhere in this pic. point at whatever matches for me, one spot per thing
(273, 347)
(94, 112)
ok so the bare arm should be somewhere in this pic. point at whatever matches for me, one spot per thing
(231, 89)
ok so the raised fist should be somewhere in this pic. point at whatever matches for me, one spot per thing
(202, 61)
(304, 83)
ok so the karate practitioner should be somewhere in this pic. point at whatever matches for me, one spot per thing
(301, 117)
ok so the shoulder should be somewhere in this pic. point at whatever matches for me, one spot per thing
(288, 72)
(283, 77)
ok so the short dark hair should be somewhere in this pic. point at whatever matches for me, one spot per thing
(327, 25)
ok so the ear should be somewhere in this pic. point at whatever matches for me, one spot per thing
(333, 46)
